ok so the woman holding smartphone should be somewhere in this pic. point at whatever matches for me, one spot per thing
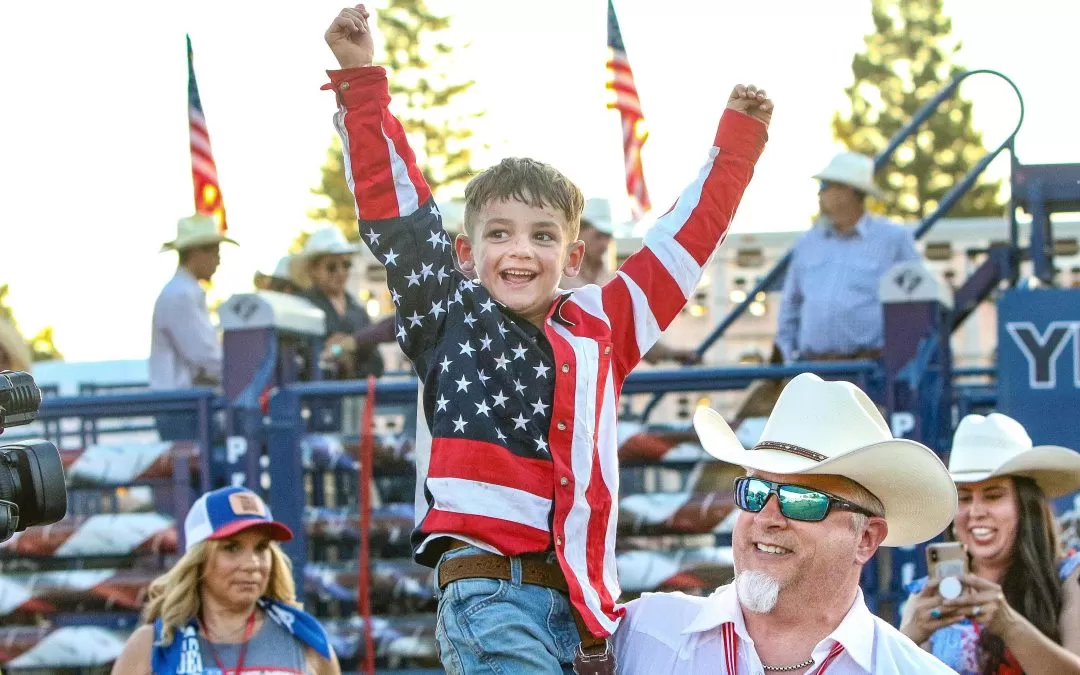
(1019, 611)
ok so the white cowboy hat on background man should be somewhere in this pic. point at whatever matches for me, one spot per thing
(280, 270)
(820, 427)
(998, 445)
(852, 169)
(196, 230)
(598, 212)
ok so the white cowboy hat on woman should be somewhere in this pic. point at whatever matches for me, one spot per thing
(997, 445)
(324, 241)
(196, 230)
(327, 241)
(820, 427)
(852, 169)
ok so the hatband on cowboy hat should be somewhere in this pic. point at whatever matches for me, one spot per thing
(820, 427)
(997, 445)
(196, 230)
(852, 169)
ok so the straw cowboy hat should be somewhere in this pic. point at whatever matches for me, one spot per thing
(851, 169)
(324, 241)
(195, 230)
(820, 427)
(998, 445)
(598, 212)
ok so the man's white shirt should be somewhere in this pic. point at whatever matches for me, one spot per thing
(184, 347)
(680, 634)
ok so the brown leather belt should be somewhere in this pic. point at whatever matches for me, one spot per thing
(869, 354)
(535, 570)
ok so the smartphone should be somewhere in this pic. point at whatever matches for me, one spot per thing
(946, 559)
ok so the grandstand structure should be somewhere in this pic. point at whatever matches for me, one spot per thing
(335, 459)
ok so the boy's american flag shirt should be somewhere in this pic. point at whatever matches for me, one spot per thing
(517, 448)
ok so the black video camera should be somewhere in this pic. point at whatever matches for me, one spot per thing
(32, 486)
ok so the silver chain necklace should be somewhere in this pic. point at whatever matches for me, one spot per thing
(798, 666)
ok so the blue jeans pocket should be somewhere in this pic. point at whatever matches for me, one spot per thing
(494, 626)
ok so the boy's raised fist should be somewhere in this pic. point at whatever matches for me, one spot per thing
(349, 38)
(752, 101)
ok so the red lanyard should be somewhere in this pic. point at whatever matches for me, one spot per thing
(731, 650)
(243, 648)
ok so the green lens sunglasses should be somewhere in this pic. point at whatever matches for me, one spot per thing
(796, 502)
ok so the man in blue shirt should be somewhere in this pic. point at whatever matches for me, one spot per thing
(830, 307)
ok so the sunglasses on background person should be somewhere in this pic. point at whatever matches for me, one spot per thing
(332, 267)
(796, 502)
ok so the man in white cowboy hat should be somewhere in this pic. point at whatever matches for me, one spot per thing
(826, 485)
(184, 347)
(597, 231)
(830, 308)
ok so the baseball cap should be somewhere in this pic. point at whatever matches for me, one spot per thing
(223, 512)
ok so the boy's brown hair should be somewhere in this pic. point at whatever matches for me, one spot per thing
(528, 181)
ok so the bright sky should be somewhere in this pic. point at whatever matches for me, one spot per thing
(94, 140)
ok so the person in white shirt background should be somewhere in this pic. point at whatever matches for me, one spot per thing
(184, 347)
(826, 485)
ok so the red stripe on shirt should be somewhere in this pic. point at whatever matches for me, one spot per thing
(741, 139)
(489, 463)
(364, 95)
(656, 282)
(509, 537)
(599, 497)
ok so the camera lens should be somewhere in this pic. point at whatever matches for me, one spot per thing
(32, 477)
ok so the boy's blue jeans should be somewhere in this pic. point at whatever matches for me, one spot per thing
(493, 626)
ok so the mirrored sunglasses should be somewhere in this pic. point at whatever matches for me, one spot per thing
(796, 502)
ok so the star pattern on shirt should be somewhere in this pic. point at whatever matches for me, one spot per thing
(510, 400)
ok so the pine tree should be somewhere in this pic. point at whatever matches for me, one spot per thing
(424, 95)
(42, 347)
(908, 59)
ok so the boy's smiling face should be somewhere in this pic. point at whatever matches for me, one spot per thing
(520, 253)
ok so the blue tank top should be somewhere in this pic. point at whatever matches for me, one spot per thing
(276, 649)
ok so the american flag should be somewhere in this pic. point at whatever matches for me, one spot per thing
(621, 81)
(203, 170)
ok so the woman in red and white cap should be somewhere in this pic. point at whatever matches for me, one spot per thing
(230, 602)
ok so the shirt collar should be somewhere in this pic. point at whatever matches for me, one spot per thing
(185, 275)
(860, 225)
(722, 607)
(855, 632)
